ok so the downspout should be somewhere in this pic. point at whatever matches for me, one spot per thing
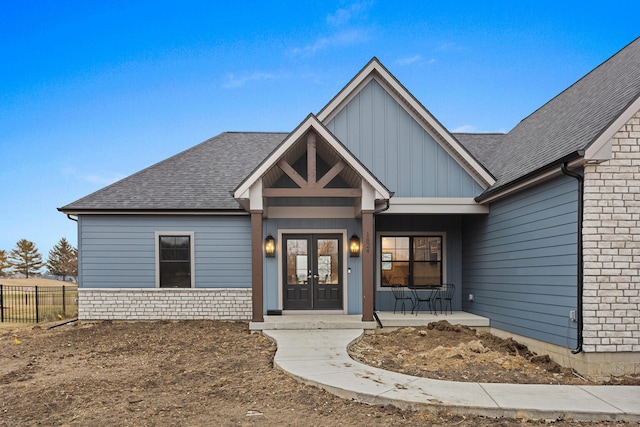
(72, 219)
(580, 274)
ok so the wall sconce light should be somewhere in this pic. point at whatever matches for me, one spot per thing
(270, 246)
(354, 246)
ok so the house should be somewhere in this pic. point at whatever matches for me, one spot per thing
(539, 228)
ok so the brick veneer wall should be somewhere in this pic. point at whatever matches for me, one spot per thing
(611, 231)
(166, 304)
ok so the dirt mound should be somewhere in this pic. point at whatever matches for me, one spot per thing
(444, 351)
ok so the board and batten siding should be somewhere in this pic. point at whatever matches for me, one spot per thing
(520, 262)
(397, 150)
(408, 225)
(119, 251)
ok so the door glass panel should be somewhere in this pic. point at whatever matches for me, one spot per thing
(327, 252)
(297, 261)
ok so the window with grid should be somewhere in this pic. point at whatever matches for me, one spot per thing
(411, 260)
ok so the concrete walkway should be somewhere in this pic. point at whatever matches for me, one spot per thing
(319, 357)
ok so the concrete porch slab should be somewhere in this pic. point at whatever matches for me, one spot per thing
(391, 320)
(354, 321)
(311, 321)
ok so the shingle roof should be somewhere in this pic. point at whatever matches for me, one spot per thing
(484, 147)
(574, 119)
(200, 178)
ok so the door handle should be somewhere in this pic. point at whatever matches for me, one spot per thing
(315, 276)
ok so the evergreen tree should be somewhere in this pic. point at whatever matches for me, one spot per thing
(4, 263)
(63, 260)
(25, 258)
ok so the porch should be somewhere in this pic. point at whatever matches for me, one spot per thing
(354, 321)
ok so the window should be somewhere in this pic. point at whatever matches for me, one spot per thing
(175, 260)
(411, 260)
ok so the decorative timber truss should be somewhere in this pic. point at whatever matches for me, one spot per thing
(311, 186)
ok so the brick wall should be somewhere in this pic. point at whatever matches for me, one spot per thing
(612, 247)
(167, 304)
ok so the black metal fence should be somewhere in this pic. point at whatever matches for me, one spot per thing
(33, 304)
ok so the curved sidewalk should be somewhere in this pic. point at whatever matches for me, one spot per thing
(319, 357)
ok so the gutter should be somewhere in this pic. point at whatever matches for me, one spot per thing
(491, 194)
(223, 212)
(580, 273)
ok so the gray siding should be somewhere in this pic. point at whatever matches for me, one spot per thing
(119, 251)
(354, 287)
(397, 150)
(520, 262)
(449, 224)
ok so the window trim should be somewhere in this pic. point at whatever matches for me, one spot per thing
(381, 234)
(192, 254)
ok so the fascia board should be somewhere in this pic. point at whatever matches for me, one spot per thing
(153, 212)
(311, 122)
(351, 160)
(243, 189)
(600, 149)
(530, 182)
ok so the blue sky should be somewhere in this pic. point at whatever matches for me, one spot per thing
(91, 92)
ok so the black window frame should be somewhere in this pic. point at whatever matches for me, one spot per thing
(385, 260)
(172, 263)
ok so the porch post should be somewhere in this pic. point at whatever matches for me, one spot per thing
(367, 254)
(256, 266)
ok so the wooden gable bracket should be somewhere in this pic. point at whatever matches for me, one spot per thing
(311, 187)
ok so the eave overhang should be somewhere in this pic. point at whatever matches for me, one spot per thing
(574, 160)
(219, 212)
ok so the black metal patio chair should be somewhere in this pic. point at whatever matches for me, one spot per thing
(446, 293)
(400, 297)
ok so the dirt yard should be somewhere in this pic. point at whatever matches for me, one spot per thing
(192, 373)
(457, 353)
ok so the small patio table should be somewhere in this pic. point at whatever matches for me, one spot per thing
(429, 295)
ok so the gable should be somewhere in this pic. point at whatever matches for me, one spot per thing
(340, 174)
(389, 141)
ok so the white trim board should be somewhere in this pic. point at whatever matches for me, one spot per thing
(433, 205)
